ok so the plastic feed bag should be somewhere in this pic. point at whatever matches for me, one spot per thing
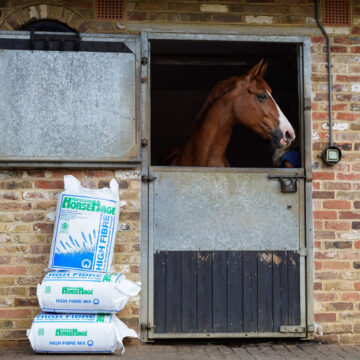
(85, 292)
(72, 333)
(85, 227)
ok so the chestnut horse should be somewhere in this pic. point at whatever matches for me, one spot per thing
(242, 100)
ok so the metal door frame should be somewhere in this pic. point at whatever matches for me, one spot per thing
(306, 238)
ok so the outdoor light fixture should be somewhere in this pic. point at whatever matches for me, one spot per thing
(332, 155)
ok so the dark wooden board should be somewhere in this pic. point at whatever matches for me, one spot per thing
(205, 283)
(159, 291)
(235, 291)
(189, 292)
(226, 291)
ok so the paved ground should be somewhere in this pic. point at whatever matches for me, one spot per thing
(207, 351)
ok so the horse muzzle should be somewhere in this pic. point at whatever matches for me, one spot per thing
(288, 138)
(282, 138)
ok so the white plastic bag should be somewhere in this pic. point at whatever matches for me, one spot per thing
(84, 292)
(85, 227)
(72, 333)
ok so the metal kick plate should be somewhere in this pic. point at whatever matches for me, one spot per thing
(222, 211)
(67, 105)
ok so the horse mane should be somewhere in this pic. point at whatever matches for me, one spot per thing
(216, 93)
(170, 155)
(264, 84)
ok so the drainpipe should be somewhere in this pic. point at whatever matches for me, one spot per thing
(332, 154)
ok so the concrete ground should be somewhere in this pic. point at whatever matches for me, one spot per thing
(205, 350)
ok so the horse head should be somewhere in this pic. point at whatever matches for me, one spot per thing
(255, 108)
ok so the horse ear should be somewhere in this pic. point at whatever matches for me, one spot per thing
(255, 70)
(263, 70)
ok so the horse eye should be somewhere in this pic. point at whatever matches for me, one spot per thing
(261, 96)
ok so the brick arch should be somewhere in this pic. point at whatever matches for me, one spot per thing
(41, 11)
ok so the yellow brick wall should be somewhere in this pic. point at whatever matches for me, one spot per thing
(27, 210)
(80, 15)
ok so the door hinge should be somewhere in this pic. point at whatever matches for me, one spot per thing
(292, 329)
(147, 327)
(144, 142)
(147, 178)
(144, 60)
(307, 104)
(303, 251)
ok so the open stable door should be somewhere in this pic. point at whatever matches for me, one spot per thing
(227, 249)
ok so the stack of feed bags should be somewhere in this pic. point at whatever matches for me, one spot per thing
(79, 300)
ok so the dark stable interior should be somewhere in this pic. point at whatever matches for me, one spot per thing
(183, 74)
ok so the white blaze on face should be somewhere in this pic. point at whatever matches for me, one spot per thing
(285, 127)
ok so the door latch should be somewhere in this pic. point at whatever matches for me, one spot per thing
(146, 327)
(147, 178)
(288, 183)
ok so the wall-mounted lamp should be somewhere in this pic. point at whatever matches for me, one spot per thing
(332, 155)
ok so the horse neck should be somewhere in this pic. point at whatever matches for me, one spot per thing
(210, 140)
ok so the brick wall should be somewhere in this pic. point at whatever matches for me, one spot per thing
(27, 211)
(27, 198)
(234, 12)
(336, 188)
(80, 14)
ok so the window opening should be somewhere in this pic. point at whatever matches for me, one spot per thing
(47, 25)
(184, 72)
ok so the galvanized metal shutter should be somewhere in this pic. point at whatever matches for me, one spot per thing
(68, 98)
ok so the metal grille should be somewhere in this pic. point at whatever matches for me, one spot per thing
(110, 9)
(337, 12)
